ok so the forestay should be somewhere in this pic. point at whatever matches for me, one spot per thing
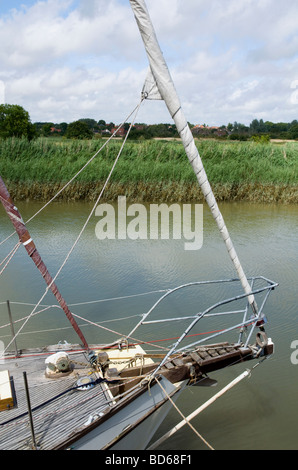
(159, 85)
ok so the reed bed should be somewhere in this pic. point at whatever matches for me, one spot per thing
(150, 170)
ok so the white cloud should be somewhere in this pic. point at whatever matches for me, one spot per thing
(2, 92)
(246, 87)
(66, 59)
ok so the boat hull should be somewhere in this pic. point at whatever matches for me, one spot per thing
(132, 427)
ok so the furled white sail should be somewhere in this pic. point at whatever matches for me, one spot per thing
(150, 89)
(162, 80)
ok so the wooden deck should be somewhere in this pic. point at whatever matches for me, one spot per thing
(196, 364)
(60, 410)
(54, 420)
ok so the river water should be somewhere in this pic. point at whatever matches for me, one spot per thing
(259, 413)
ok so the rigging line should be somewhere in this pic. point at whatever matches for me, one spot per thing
(68, 327)
(119, 298)
(4, 259)
(169, 292)
(200, 316)
(77, 174)
(245, 374)
(82, 230)
(119, 334)
(169, 94)
(95, 323)
(12, 302)
(98, 324)
(10, 256)
(185, 419)
(35, 313)
(86, 303)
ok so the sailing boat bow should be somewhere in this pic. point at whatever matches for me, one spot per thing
(117, 395)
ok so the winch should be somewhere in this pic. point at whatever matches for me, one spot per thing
(99, 360)
(58, 363)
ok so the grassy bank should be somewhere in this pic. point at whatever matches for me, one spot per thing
(150, 170)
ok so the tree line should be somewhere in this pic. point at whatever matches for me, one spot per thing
(15, 122)
(279, 130)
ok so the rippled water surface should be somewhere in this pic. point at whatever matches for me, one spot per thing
(259, 413)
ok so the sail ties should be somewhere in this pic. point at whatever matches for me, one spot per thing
(150, 89)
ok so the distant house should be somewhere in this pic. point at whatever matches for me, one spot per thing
(120, 132)
(201, 130)
(55, 129)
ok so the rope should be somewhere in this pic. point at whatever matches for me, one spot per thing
(186, 421)
(82, 230)
(119, 334)
(10, 256)
(99, 325)
(119, 298)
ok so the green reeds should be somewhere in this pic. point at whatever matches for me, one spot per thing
(150, 170)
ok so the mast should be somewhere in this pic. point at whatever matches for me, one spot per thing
(165, 86)
(30, 247)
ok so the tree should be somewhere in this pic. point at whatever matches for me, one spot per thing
(91, 123)
(46, 128)
(293, 132)
(258, 127)
(63, 126)
(78, 130)
(15, 122)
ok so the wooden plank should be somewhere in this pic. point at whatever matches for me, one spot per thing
(6, 396)
(169, 365)
(215, 345)
(221, 351)
(213, 353)
(177, 374)
(195, 357)
(178, 362)
(219, 359)
(203, 354)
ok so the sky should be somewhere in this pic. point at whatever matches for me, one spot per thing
(231, 60)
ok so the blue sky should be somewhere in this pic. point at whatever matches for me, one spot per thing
(231, 61)
(6, 5)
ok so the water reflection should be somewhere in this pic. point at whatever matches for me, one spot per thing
(260, 413)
